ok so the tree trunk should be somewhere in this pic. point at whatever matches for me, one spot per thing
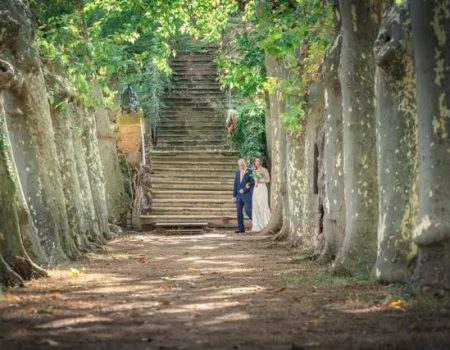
(12, 250)
(115, 192)
(431, 36)
(95, 171)
(277, 150)
(397, 146)
(28, 119)
(360, 23)
(334, 202)
(93, 233)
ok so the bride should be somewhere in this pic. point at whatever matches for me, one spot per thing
(260, 200)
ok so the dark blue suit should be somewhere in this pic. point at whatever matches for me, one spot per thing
(243, 200)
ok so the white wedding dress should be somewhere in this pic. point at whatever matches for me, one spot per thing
(260, 204)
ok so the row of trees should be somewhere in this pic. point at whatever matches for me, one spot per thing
(357, 129)
(62, 64)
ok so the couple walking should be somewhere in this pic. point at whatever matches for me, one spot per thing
(250, 193)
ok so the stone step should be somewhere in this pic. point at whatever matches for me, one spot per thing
(199, 69)
(196, 94)
(194, 202)
(192, 124)
(198, 73)
(181, 79)
(190, 112)
(198, 100)
(190, 128)
(193, 211)
(194, 153)
(209, 180)
(193, 148)
(189, 98)
(188, 194)
(193, 174)
(193, 85)
(199, 156)
(193, 134)
(187, 115)
(194, 207)
(186, 124)
(189, 139)
(180, 122)
(180, 165)
(190, 136)
(212, 220)
(192, 187)
(192, 58)
(200, 90)
(183, 66)
(189, 142)
(210, 106)
(168, 135)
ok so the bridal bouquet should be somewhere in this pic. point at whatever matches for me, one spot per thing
(258, 175)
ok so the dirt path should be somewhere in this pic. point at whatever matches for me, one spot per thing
(217, 291)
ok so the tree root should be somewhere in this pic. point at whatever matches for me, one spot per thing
(275, 223)
(282, 235)
(433, 267)
(8, 277)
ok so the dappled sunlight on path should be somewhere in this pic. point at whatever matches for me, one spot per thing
(217, 290)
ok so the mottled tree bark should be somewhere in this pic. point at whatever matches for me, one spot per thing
(306, 195)
(396, 146)
(116, 199)
(93, 233)
(334, 203)
(95, 171)
(360, 23)
(16, 264)
(431, 36)
(277, 149)
(28, 118)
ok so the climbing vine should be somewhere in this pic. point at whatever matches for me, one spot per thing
(295, 32)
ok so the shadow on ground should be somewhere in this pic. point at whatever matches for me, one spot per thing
(216, 291)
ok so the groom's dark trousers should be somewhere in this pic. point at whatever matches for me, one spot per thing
(243, 196)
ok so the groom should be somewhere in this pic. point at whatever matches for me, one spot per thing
(242, 193)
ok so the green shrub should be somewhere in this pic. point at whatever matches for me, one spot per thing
(249, 137)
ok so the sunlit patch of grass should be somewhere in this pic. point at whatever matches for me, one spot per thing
(317, 278)
(324, 277)
(421, 300)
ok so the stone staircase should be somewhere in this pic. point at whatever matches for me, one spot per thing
(192, 165)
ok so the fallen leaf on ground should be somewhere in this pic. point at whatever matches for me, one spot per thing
(282, 289)
(49, 342)
(164, 302)
(32, 310)
(9, 297)
(165, 287)
(75, 273)
(397, 304)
